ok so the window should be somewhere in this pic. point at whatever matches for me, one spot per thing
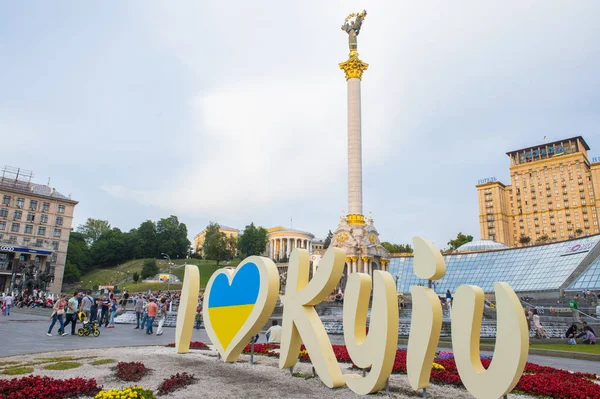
(39, 243)
(41, 231)
(12, 239)
(30, 216)
(20, 202)
(2, 225)
(29, 228)
(59, 220)
(61, 209)
(54, 258)
(57, 232)
(17, 215)
(45, 207)
(6, 200)
(3, 212)
(55, 245)
(15, 227)
(44, 218)
(26, 240)
(33, 205)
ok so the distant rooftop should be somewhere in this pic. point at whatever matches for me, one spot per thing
(550, 144)
(17, 179)
(481, 245)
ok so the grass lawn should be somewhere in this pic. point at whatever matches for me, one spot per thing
(206, 267)
(144, 287)
(569, 348)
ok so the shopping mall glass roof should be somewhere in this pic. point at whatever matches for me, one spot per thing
(535, 268)
(481, 245)
(589, 279)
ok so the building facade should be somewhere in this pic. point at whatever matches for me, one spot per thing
(200, 237)
(281, 242)
(35, 223)
(553, 195)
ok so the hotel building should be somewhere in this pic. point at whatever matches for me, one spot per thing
(35, 222)
(553, 195)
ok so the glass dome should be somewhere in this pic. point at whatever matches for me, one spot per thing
(481, 245)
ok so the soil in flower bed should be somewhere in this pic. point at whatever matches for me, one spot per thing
(131, 371)
(36, 387)
(175, 382)
(193, 345)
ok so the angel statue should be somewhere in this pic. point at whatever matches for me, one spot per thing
(352, 28)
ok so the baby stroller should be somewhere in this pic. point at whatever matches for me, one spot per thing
(87, 326)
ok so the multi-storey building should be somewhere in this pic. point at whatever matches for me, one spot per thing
(35, 222)
(553, 196)
(200, 237)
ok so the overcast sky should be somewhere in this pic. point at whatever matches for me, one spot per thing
(235, 111)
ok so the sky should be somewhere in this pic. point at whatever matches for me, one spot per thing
(235, 111)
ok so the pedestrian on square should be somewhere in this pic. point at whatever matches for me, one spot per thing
(124, 300)
(539, 330)
(274, 333)
(151, 309)
(161, 314)
(58, 314)
(144, 315)
(71, 312)
(8, 301)
(573, 304)
(138, 307)
(113, 311)
(105, 306)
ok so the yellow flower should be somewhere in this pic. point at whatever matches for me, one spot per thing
(436, 366)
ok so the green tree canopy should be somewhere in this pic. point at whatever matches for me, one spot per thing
(253, 240)
(171, 236)
(110, 248)
(458, 241)
(78, 252)
(93, 229)
(147, 246)
(217, 246)
(397, 248)
(150, 268)
(328, 239)
(71, 274)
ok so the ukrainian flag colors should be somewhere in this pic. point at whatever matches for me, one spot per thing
(230, 305)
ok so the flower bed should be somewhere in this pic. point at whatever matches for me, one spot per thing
(193, 345)
(134, 392)
(175, 382)
(36, 387)
(262, 349)
(131, 371)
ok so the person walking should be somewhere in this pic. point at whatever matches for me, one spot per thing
(151, 309)
(105, 305)
(575, 309)
(138, 307)
(274, 333)
(161, 314)
(8, 301)
(71, 312)
(124, 300)
(58, 314)
(86, 305)
(113, 311)
(539, 330)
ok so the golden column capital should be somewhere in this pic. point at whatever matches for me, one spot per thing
(348, 259)
(353, 66)
(354, 258)
(366, 258)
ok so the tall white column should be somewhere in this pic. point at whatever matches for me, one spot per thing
(354, 148)
(288, 247)
(280, 249)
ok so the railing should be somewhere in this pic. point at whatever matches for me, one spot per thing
(580, 315)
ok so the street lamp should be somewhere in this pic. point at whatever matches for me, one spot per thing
(166, 256)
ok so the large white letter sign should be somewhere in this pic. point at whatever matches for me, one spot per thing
(237, 304)
(426, 319)
(377, 349)
(512, 341)
(187, 309)
(301, 323)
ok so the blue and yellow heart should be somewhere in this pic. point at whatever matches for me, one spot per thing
(230, 305)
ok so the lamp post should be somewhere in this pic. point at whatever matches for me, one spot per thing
(168, 258)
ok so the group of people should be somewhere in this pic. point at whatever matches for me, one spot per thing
(587, 333)
(29, 299)
(103, 309)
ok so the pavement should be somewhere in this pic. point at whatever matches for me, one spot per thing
(23, 333)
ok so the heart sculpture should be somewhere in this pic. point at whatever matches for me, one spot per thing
(238, 303)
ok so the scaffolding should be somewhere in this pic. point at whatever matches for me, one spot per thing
(16, 178)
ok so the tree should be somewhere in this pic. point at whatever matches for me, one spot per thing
(172, 238)
(524, 240)
(543, 239)
(253, 240)
(71, 274)
(93, 229)
(136, 277)
(328, 239)
(150, 268)
(578, 232)
(78, 252)
(147, 244)
(397, 248)
(217, 246)
(109, 249)
(460, 239)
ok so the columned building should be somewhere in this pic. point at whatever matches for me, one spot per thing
(553, 196)
(281, 242)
